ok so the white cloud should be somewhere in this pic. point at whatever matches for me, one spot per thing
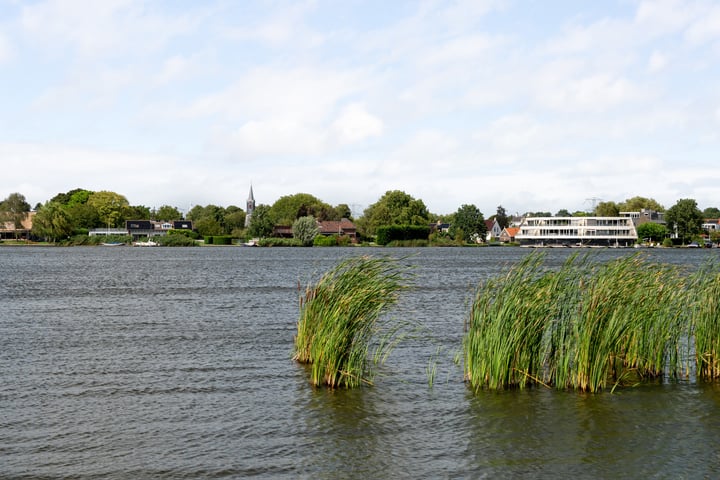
(467, 48)
(609, 166)
(132, 174)
(663, 17)
(94, 88)
(355, 124)
(657, 62)
(284, 28)
(95, 29)
(173, 68)
(5, 50)
(276, 137)
(705, 28)
(592, 93)
(472, 101)
(298, 94)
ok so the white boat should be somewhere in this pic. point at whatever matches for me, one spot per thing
(148, 243)
(112, 244)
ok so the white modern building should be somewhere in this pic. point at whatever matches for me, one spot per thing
(577, 231)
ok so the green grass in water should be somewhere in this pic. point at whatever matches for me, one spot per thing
(340, 319)
(588, 326)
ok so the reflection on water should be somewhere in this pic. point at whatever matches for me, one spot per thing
(176, 363)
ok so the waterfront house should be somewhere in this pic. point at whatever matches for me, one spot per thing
(645, 216)
(8, 229)
(577, 231)
(508, 234)
(342, 227)
(151, 228)
(493, 230)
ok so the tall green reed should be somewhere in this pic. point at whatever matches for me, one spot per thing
(504, 329)
(581, 326)
(705, 325)
(340, 317)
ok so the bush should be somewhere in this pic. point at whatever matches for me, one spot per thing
(186, 233)
(176, 241)
(331, 241)
(222, 240)
(279, 242)
(387, 233)
(325, 241)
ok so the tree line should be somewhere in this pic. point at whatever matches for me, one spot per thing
(78, 211)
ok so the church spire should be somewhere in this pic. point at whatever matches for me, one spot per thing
(250, 207)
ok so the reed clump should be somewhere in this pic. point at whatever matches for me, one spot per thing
(705, 305)
(340, 318)
(584, 326)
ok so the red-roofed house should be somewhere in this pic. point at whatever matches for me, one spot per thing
(508, 234)
(493, 230)
(343, 227)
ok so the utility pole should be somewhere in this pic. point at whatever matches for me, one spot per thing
(593, 201)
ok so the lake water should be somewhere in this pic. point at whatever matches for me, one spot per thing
(176, 363)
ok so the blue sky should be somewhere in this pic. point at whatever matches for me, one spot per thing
(532, 105)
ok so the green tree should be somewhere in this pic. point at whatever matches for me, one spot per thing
(208, 220)
(234, 220)
(606, 209)
(563, 213)
(393, 208)
(685, 219)
(305, 229)
(261, 223)
(136, 212)
(636, 204)
(83, 216)
(167, 213)
(111, 207)
(711, 212)
(468, 224)
(195, 213)
(75, 196)
(52, 222)
(342, 211)
(208, 226)
(501, 217)
(289, 208)
(653, 232)
(14, 209)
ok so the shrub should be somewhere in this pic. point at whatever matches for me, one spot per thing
(387, 233)
(222, 240)
(325, 241)
(176, 241)
(187, 233)
(279, 242)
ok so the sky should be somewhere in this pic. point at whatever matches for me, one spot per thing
(535, 105)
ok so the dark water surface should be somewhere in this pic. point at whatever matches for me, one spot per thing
(175, 363)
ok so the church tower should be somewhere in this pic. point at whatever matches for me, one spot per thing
(250, 207)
